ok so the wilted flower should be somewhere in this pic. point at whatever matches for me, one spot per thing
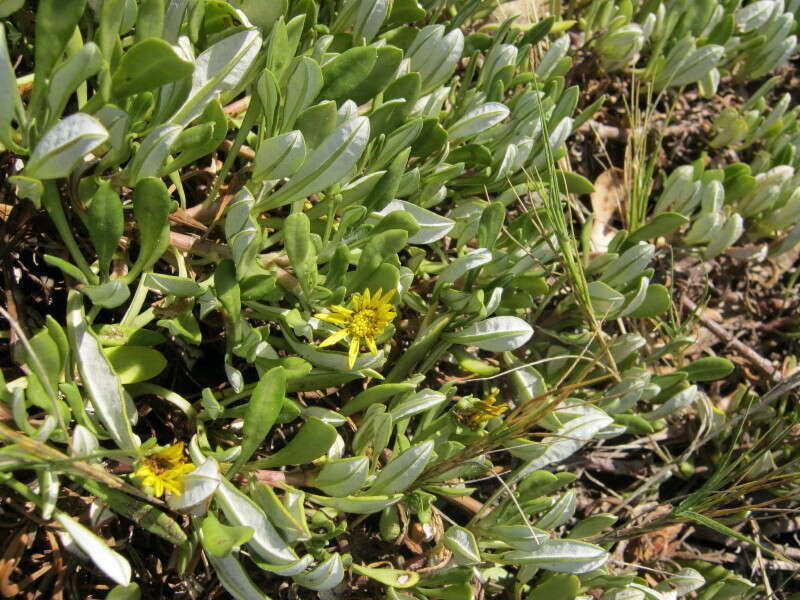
(482, 410)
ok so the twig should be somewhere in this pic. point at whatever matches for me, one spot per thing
(196, 245)
(244, 151)
(759, 362)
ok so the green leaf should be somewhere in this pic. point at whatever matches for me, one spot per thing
(605, 299)
(536, 34)
(375, 394)
(519, 537)
(126, 592)
(478, 120)
(241, 510)
(398, 100)
(302, 87)
(343, 476)
(316, 123)
(301, 251)
(200, 140)
(357, 505)
(9, 7)
(573, 183)
(184, 326)
(392, 577)
(9, 97)
(405, 11)
(288, 515)
(219, 539)
(64, 145)
(346, 72)
(148, 65)
(377, 251)
(85, 63)
(264, 14)
(228, 292)
(135, 363)
(44, 363)
(401, 472)
(99, 379)
(325, 576)
(114, 565)
(722, 529)
(219, 68)
(473, 259)
(151, 205)
(312, 441)
(435, 55)
(263, 409)
(461, 542)
(708, 368)
(110, 294)
(383, 72)
(328, 164)
(416, 403)
(280, 156)
(150, 20)
(121, 335)
(661, 224)
(656, 302)
(234, 578)
(593, 525)
(149, 158)
(496, 334)
(182, 287)
(431, 139)
(105, 223)
(563, 556)
(628, 266)
(388, 185)
(55, 23)
(143, 514)
(67, 268)
(560, 586)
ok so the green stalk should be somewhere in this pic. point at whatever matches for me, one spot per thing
(52, 203)
(418, 349)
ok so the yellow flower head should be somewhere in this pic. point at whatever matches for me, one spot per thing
(162, 471)
(367, 318)
(483, 410)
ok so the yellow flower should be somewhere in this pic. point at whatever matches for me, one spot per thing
(162, 471)
(367, 318)
(483, 410)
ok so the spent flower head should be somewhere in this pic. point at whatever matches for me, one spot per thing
(367, 317)
(163, 471)
(482, 411)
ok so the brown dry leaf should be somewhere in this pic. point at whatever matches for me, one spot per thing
(526, 11)
(751, 252)
(607, 199)
(654, 546)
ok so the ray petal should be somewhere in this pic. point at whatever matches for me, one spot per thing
(333, 318)
(334, 338)
(352, 355)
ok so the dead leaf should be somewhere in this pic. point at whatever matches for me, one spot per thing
(526, 11)
(654, 546)
(607, 199)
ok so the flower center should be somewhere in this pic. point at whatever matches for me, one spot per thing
(364, 323)
(158, 465)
